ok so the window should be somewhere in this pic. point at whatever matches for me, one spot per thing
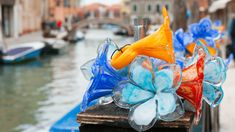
(66, 3)
(58, 2)
(149, 8)
(158, 8)
(134, 8)
(167, 7)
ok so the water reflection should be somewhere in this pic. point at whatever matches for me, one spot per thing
(19, 93)
(35, 95)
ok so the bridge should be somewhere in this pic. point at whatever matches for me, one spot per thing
(98, 21)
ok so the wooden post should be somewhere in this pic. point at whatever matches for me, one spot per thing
(180, 20)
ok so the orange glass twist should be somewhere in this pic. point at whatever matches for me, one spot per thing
(158, 45)
(191, 47)
(191, 87)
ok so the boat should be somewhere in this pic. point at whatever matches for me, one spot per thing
(68, 123)
(152, 29)
(53, 45)
(76, 36)
(121, 32)
(22, 52)
(55, 34)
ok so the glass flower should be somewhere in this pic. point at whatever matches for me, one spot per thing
(214, 76)
(191, 88)
(150, 93)
(203, 30)
(180, 41)
(103, 78)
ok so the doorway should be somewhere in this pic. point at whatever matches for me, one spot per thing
(7, 19)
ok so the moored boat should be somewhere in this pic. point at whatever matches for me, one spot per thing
(53, 46)
(22, 52)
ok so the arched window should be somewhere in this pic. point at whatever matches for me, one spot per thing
(149, 8)
(134, 8)
(158, 10)
(167, 6)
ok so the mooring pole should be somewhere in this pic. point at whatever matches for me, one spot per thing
(140, 28)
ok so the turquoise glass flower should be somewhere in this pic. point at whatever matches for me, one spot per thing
(214, 77)
(150, 93)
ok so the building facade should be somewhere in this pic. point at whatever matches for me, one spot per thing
(150, 9)
(63, 9)
(20, 16)
(94, 10)
(222, 10)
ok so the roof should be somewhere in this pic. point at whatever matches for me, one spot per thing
(218, 4)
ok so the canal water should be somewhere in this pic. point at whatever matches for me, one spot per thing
(35, 94)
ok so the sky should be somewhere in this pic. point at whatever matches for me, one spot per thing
(107, 2)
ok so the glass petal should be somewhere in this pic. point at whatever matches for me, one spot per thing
(175, 111)
(87, 69)
(106, 49)
(111, 49)
(166, 103)
(215, 71)
(210, 42)
(187, 39)
(168, 78)
(163, 80)
(213, 95)
(141, 73)
(142, 117)
(128, 94)
(214, 33)
(199, 48)
(105, 100)
(156, 63)
(178, 40)
(194, 29)
(205, 25)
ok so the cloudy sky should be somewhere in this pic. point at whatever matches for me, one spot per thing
(107, 2)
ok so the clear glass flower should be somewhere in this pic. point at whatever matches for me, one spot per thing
(150, 93)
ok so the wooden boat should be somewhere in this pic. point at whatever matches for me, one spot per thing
(76, 36)
(22, 52)
(53, 45)
(68, 123)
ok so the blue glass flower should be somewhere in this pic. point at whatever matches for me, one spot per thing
(180, 40)
(103, 77)
(203, 30)
(150, 93)
(214, 76)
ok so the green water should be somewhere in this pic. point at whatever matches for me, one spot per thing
(35, 94)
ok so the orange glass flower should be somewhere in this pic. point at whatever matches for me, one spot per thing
(158, 45)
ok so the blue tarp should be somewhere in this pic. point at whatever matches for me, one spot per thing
(68, 123)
